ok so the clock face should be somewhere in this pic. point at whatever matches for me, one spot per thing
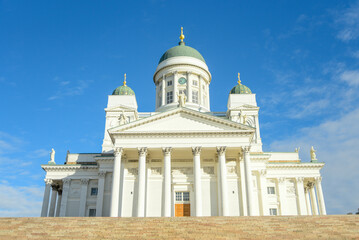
(182, 80)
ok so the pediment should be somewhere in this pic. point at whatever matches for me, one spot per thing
(181, 120)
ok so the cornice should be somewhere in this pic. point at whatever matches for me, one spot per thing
(297, 165)
(72, 167)
(182, 65)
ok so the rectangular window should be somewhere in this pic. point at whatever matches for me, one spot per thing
(186, 196)
(169, 97)
(195, 83)
(270, 190)
(273, 212)
(94, 191)
(178, 196)
(183, 91)
(169, 83)
(194, 96)
(92, 212)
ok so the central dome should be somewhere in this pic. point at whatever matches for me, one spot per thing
(181, 50)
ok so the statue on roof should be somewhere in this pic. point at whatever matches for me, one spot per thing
(313, 156)
(52, 157)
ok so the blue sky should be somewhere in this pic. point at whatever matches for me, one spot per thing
(60, 59)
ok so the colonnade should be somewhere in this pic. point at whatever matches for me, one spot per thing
(313, 190)
(167, 178)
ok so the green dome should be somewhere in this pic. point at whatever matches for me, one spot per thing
(181, 50)
(123, 90)
(241, 89)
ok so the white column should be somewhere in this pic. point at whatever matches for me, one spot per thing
(167, 180)
(249, 181)
(313, 200)
(163, 90)
(221, 151)
(243, 188)
(318, 184)
(219, 204)
(58, 205)
(115, 189)
(83, 197)
(65, 194)
(45, 201)
(263, 186)
(100, 192)
(53, 201)
(197, 180)
(282, 195)
(175, 78)
(189, 89)
(307, 201)
(141, 182)
(301, 196)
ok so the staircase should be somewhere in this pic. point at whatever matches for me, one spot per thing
(279, 227)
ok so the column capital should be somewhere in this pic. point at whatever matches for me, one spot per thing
(310, 184)
(167, 150)
(84, 181)
(196, 150)
(318, 179)
(281, 180)
(299, 179)
(101, 174)
(246, 149)
(263, 172)
(55, 187)
(221, 150)
(142, 151)
(59, 191)
(66, 181)
(118, 151)
(48, 181)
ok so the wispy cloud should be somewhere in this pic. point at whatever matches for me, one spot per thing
(350, 77)
(336, 142)
(68, 89)
(20, 201)
(348, 23)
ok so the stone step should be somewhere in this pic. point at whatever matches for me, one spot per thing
(278, 227)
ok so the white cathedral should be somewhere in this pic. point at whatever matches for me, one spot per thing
(182, 159)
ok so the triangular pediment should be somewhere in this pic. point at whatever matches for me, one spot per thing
(181, 120)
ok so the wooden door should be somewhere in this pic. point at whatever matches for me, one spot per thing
(182, 210)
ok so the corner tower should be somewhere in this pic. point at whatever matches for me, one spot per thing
(182, 71)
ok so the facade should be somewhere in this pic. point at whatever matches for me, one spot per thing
(182, 159)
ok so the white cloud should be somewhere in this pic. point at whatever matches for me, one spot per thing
(20, 201)
(337, 144)
(348, 21)
(66, 88)
(350, 77)
(355, 54)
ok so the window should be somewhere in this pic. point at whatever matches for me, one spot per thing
(270, 190)
(186, 196)
(94, 191)
(194, 96)
(182, 196)
(169, 97)
(169, 83)
(195, 83)
(92, 212)
(178, 196)
(183, 92)
(273, 212)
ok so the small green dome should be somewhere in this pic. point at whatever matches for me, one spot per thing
(241, 89)
(181, 50)
(123, 90)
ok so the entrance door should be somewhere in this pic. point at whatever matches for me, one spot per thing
(182, 205)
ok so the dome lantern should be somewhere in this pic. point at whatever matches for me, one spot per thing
(240, 88)
(124, 89)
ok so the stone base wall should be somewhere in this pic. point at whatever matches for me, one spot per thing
(280, 227)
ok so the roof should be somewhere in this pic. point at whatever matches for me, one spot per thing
(181, 50)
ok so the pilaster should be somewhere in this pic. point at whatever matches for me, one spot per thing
(282, 195)
(263, 192)
(83, 197)
(100, 193)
